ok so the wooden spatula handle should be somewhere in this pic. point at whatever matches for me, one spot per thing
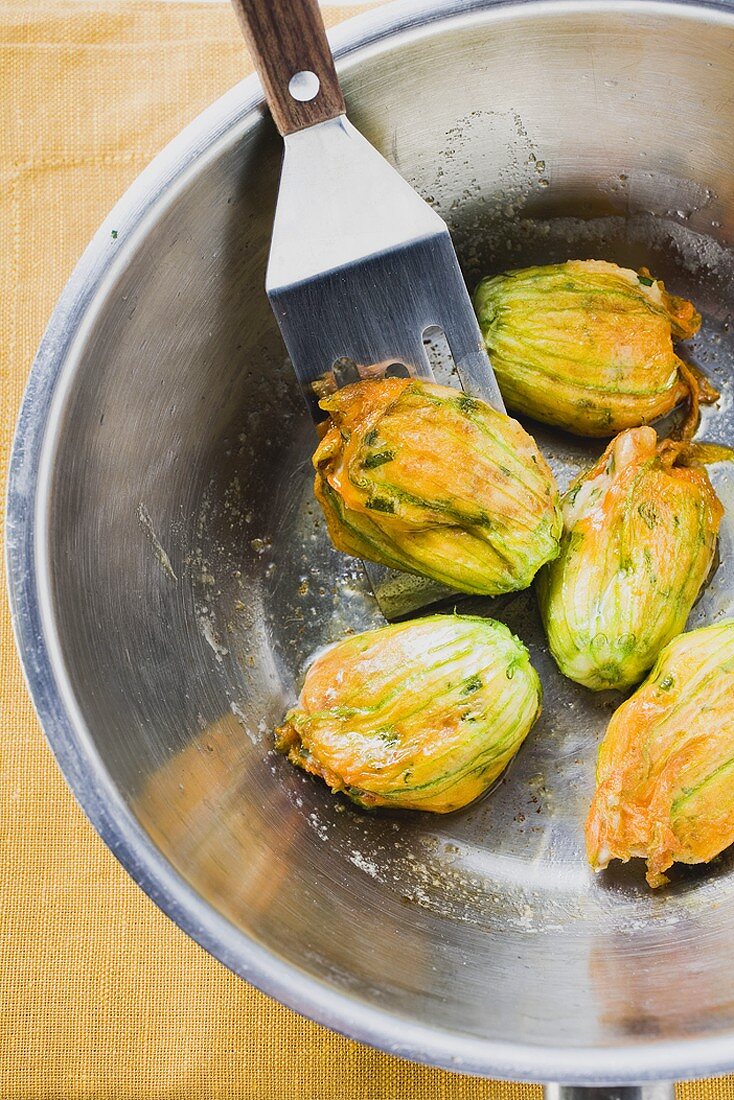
(286, 38)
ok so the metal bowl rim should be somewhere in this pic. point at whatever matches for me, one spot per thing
(41, 652)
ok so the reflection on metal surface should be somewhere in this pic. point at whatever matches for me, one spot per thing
(481, 941)
(192, 804)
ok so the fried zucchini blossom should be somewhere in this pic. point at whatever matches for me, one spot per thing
(665, 773)
(422, 715)
(427, 480)
(588, 346)
(639, 540)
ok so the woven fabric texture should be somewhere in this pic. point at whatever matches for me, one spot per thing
(102, 997)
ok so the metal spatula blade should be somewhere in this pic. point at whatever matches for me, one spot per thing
(360, 266)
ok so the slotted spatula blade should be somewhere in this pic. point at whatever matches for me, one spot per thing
(360, 266)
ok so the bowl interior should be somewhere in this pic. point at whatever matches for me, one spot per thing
(192, 576)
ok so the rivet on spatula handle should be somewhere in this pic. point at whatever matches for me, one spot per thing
(288, 44)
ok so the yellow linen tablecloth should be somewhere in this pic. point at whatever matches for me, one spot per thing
(101, 996)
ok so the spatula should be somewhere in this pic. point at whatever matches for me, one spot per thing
(360, 266)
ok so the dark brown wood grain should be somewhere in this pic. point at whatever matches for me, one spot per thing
(285, 37)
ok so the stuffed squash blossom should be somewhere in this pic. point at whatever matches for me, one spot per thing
(588, 346)
(422, 715)
(665, 774)
(424, 479)
(639, 540)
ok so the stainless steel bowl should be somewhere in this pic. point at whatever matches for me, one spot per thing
(170, 574)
